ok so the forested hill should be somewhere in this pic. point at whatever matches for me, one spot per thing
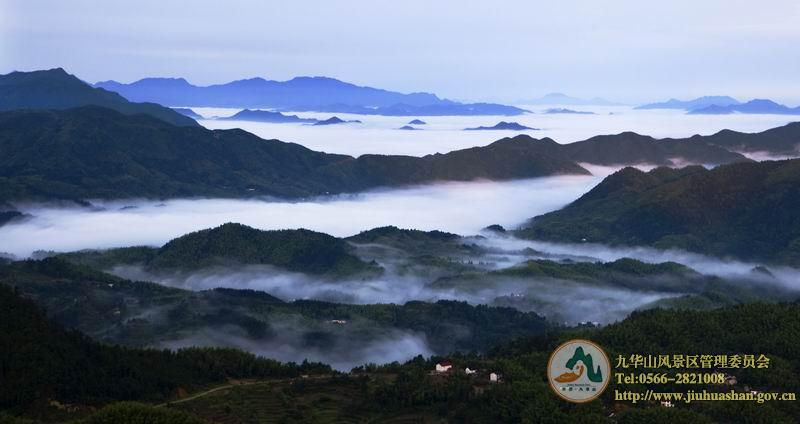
(783, 140)
(56, 89)
(93, 152)
(745, 210)
(235, 245)
(52, 364)
(41, 361)
(136, 313)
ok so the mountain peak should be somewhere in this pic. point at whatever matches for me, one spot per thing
(57, 89)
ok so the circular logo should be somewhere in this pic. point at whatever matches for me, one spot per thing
(578, 371)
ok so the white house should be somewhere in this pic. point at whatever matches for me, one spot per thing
(469, 371)
(495, 377)
(443, 366)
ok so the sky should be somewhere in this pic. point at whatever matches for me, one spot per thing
(630, 51)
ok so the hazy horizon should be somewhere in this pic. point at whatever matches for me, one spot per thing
(625, 51)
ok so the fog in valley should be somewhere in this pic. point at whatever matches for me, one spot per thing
(723, 267)
(293, 343)
(461, 208)
(442, 134)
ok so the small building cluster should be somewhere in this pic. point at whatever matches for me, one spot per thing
(447, 366)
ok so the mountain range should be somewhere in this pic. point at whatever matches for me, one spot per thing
(698, 103)
(439, 261)
(724, 105)
(320, 94)
(56, 89)
(744, 210)
(100, 153)
(757, 106)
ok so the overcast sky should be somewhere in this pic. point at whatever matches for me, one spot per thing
(490, 50)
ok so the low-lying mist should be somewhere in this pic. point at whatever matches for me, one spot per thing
(293, 344)
(723, 267)
(380, 134)
(546, 297)
(462, 208)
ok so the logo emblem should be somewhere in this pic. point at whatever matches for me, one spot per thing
(578, 371)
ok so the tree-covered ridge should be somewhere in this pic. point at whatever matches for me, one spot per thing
(408, 251)
(56, 89)
(771, 329)
(391, 391)
(92, 152)
(42, 362)
(629, 148)
(530, 285)
(746, 210)
(232, 244)
(141, 313)
(413, 241)
(580, 271)
(295, 250)
(393, 233)
(783, 140)
(442, 263)
(411, 392)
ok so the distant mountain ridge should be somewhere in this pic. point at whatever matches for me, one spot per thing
(756, 106)
(724, 105)
(56, 89)
(320, 94)
(555, 111)
(335, 120)
(698, 103)
(259, 93)
(266, 116)
(502, 125)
